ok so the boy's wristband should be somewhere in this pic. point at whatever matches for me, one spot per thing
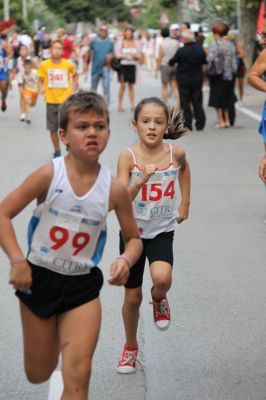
(16, 260)
(123, 257)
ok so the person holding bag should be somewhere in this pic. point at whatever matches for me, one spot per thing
(222, 67)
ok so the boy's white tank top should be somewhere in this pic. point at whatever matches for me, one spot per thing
(156, 204)
(67, 233)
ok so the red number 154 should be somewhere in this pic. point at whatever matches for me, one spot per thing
(156, 193)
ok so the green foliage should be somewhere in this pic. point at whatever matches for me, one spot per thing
(44, 15)
(150, 17)
(225, 9)
(83, 10)
(38, 10)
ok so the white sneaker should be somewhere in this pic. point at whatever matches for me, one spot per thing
(22, 117)
(28, 119)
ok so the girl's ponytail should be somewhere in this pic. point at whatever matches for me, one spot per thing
(176, 127)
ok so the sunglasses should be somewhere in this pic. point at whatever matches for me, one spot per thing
(263, 35)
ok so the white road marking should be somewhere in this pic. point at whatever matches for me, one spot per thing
(56, 386)
(248, 112)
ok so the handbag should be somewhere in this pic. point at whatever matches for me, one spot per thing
(116, 64)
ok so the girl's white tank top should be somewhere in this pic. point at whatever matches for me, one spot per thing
(156, 204)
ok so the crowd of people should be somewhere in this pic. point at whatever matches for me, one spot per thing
(58, 282)
(175, 54)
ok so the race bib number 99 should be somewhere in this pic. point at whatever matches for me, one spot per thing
(60, 236)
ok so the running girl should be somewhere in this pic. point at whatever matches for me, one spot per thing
(58, 282)
(151, 170)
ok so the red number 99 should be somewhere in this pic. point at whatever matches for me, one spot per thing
(59, 236)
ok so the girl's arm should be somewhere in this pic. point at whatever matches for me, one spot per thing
(184, 183)
(255, 74)
(124, 167)
(34, 187)
(121, 203)
(262, 167)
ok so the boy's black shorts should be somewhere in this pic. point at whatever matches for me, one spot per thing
(160, 248)
(53, 293)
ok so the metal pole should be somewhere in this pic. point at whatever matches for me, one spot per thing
(238, 13)
(6, 10)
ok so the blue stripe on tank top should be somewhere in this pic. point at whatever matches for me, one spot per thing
(99, 247)
(31, 229)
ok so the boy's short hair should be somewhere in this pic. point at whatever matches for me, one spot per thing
(56, 41)
(82, 102)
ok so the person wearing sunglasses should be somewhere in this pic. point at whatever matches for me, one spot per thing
(257, 79)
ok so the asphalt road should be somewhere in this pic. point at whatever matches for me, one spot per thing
(215, 348)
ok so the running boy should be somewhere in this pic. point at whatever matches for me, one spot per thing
(150, 170)
(58, 282)
(28, 86)
(59, 79)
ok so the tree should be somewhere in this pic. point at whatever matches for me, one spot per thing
(226, 10)
(82, 10)
(151, 12)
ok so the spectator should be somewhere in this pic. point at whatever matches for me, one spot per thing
(46, 44)
(200, 37)
(101, 51)
(222, 66)
(185, 25)
(130, 53)
(175, 31)
(27, 41)
(167, 50)
(67, 42)
(241, 68)
(190, 59)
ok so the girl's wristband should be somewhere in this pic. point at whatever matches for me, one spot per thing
(123, 257)
(16, 260)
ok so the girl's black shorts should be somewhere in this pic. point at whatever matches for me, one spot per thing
(53, 293)
(159, 248)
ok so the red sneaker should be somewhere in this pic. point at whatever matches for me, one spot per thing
(127, 362)
(161, 312)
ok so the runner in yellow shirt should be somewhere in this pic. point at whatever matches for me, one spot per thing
(58, 80)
